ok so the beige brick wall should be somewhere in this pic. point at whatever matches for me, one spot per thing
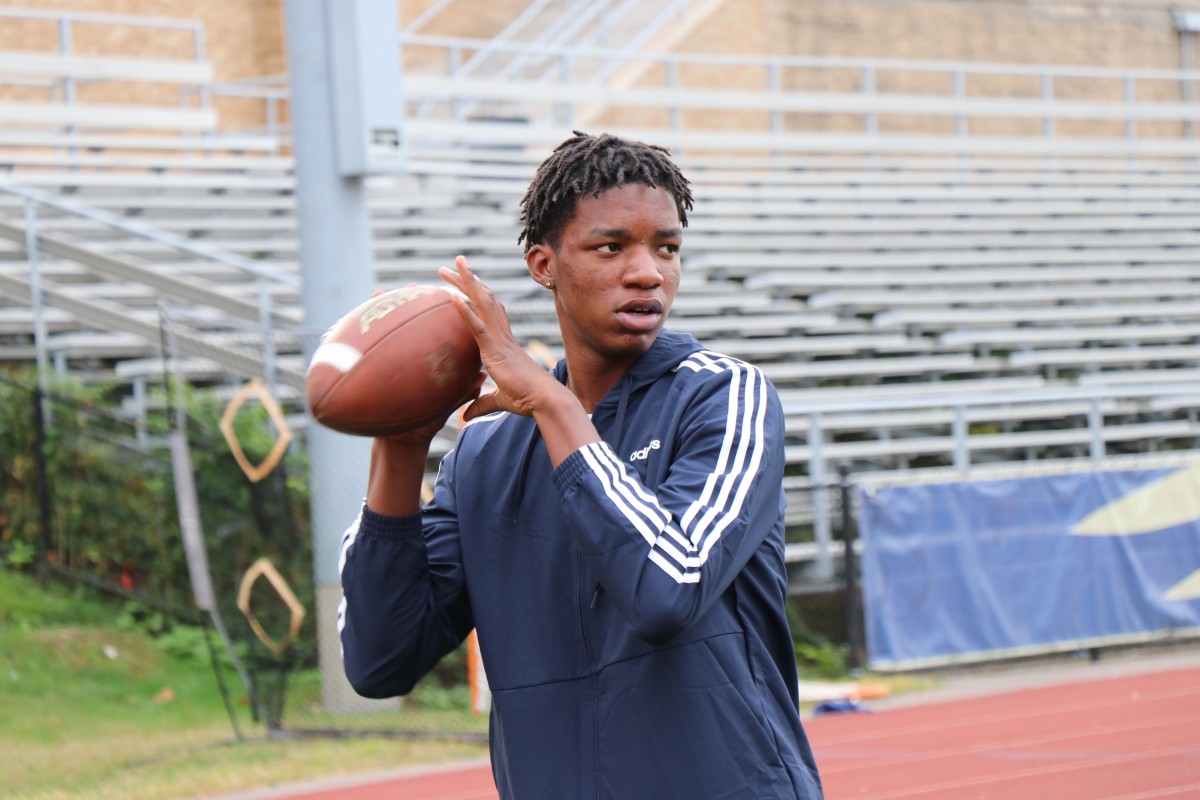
(1092, 33)
(242, 39)
(1086, 33)
(245, 38)
(1128, 33)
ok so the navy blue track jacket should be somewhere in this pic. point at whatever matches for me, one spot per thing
(629, 604)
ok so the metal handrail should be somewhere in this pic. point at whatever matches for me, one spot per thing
(565, 31)
(795, 61)
(263, 274)
(146, 231)
(550, 93)
(1000, 397)
(869, 100)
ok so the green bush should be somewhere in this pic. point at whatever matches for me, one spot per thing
(821, 661)
(113, 512)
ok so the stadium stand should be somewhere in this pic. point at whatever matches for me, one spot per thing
(935, 299)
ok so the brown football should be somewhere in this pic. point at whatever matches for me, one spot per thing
(396, 362)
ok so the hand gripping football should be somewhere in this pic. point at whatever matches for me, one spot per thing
(397, 362)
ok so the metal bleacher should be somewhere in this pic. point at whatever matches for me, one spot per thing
(919, 299)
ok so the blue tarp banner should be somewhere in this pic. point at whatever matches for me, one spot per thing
(954, 571)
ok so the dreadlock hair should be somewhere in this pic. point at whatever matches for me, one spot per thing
(584, 165)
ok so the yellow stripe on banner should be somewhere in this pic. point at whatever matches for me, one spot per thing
(1164, 503)
(1186, 589)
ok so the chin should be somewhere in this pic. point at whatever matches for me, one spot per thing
(634, 344)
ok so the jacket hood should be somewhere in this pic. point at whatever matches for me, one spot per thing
(668, 350)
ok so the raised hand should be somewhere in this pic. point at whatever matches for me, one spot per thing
(521, 383)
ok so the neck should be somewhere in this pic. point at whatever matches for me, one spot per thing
(589, 393)
(592, 385)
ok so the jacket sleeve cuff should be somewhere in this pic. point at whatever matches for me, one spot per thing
(570, 471)
(382, 526)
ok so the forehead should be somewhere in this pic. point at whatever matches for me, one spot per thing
(629, 206)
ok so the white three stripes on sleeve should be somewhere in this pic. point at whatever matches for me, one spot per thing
(348, 539)
(681, 548)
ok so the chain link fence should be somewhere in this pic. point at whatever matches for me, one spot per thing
(94, 494)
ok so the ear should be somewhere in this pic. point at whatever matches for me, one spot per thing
(541, 263)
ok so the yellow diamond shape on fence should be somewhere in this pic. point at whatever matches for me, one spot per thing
(256, 472)
(264, 568)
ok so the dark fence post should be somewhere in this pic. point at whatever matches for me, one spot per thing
(853, 598)
(43, 483)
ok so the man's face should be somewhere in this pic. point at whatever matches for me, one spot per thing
(616, 271)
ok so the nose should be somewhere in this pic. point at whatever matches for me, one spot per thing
(642, 268)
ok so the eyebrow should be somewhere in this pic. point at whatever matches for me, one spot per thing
(623, 233)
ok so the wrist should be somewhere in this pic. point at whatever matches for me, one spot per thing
(397, 469)
(564, 425)
(392, 448)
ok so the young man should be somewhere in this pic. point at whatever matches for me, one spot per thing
(613, 530)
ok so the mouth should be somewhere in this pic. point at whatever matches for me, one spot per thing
(641, 314)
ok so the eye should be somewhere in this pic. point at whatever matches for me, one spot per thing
(610, 247)
(669, 249)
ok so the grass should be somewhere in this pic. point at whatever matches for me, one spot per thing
(91, 710)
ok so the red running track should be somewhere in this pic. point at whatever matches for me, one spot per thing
(1125, 738)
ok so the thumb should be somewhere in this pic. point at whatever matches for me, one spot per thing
(483, 405)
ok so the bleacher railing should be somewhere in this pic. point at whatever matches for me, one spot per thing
(820, 455)
(69, 88)
(551, 25)
(269, 316)
(779, 104)
(796, 102)
(64, 86)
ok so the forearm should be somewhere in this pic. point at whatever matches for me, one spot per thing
(399, 615)
(563, 424)
(394, 483)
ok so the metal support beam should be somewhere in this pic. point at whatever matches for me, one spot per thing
(822, 527)
(1096, 426)
(335, 259)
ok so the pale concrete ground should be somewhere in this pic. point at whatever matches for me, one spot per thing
(986, 679)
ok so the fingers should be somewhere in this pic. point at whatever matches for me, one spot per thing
(461, 276)
(477, 304)
(503, 358)
(484, 404)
